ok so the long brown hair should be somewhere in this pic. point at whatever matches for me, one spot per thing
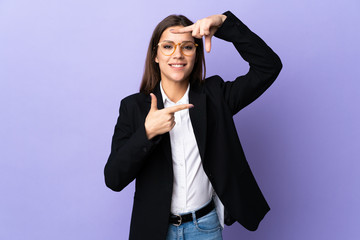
(152, 71)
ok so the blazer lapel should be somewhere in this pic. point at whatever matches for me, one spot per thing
(198, 116)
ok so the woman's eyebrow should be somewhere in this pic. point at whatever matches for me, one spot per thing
(169, 41)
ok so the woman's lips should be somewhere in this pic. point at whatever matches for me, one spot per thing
(177, 65)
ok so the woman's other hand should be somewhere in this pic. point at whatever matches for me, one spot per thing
(161, 121)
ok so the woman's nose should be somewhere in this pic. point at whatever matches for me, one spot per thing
(177, 52)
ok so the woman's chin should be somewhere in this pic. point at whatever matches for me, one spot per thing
(178, 79)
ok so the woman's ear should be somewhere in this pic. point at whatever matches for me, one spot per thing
(156, 60)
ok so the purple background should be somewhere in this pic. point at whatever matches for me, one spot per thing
(66, 64)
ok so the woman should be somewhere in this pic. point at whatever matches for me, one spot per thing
(178, 139)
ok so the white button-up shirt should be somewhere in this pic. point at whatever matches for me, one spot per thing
(192, 188)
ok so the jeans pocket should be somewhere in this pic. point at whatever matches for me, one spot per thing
(208, 223)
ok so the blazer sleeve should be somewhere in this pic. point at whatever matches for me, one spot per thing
(265, 65)
(129, 149)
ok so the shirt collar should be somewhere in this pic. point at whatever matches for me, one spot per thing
(183, 100)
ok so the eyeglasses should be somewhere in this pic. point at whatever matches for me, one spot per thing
(168, 48)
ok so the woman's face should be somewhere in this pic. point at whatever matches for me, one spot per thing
(176, 67)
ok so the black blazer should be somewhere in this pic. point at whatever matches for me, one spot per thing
(215, 102)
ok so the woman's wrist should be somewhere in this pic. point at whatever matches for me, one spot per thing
(149, 134)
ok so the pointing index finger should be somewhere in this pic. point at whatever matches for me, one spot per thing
(176, 108)
(183, 29)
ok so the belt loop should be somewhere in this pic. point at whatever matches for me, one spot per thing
(194, 217)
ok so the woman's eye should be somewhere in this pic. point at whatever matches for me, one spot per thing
(167, 46)
(188, 47)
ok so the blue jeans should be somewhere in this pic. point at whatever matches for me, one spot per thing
(205, 228)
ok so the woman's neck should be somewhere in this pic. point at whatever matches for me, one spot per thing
(174, 90)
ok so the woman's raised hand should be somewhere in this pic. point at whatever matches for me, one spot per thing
(161, 121)
(203, 27)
